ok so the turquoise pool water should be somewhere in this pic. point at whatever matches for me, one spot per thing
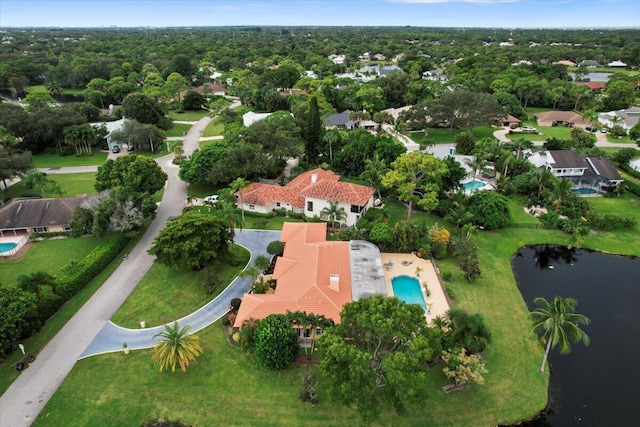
(407, 289)
(584, 190)
(5, 247)
(473, 185)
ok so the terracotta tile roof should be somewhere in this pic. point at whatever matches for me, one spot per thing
(339, 191)
(305, 179)
(266, 194)
(303, 276)
(592, 85)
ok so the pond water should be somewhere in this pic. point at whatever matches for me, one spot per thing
(597, 385)
(594, 77)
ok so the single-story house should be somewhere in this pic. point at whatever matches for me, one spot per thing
(111, 127)
(510, 120)
(589, 63)
(435, 75)
(207, 88)
(628, 118)
(564, 62)
(340, 121)
(579, 168)
(250, 118)
(596, 86)
(23, 216)
(309, 193)
(337, 59)
(395, 112)
(616, 64)
(316, 276)
(561, 118)
(287, 92)
(378, 57)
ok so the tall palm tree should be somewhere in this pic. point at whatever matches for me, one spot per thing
(559, 192)
(176, 347)
(334, 213)
(227, 212)
(236, 186)
(331, 137)
(543, 179)
(477, 163)
(374, 171)
(557, 323)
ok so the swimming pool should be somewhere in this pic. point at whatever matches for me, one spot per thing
(474, 185)
(583, 190)
(6, 247)
(408, 289)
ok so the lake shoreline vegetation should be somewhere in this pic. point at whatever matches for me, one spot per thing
(301, 84)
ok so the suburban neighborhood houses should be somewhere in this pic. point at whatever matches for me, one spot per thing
(317, 225)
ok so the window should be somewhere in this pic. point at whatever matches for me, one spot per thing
(356, 208)
(278, 204)
(310, 206)
(40, 229)
(67, 228)
(252, 207)
(318, 331)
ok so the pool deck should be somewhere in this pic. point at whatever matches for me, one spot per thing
(437, 302)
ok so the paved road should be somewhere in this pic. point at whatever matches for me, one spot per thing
(601, 140)
(28, 394)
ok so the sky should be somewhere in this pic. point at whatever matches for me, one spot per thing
(419, 13)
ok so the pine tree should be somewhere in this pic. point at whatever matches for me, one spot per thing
(314, 131)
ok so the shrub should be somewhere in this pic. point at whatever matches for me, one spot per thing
(260, 223)
(225, 321)
(450, 292)
(309, 386)
(446, 275)
(235, 304)
(490, 210)
(90, 266)
(381, 234)
(275, 248)
(276, 343)
(609, 221)
(48, 305)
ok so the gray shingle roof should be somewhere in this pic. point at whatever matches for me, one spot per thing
(29, 213)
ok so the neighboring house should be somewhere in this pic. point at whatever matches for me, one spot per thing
(617, 64)
(365, 56)
(435, 75)
(580, 169)
(340, 121)
(250, 118)
(589, 63)
(288, 92)
(379, 57)
(208, 88)
(111, 127)
(399, 57)
(380, 70)
(23, 216)
(565, 62)
(309, 193)
(316, 276)
(311, 74)
(594, 86)
(510, 120)
(337, 59)
(561, 118)
(356, 77)
(522, 62)
(628, 118)
(395, 112)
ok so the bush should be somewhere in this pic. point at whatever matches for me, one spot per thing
(609, 221)
(225, 321)
(381, 235)
(450, 292)
(446, 275)
(490, 210)
(276, 343)
(275, 248)
(235, 304)
(90, 266)
(48, 305)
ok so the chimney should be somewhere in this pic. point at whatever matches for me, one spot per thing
(314, 177)
(334, 282)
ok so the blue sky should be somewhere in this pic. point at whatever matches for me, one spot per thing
(427, 13)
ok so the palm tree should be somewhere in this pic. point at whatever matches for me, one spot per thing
(334, 213)
(543, 179)
(374, 171)
(559, 192)
(237, 186)
(459, 216)
(331, 137)
(477, 163)
(227, 212)
(557, 323)
(176, 347)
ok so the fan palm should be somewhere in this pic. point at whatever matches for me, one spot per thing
(176, 347)
(334, 213)
(557, 323)
(237, 186)
(374, 171)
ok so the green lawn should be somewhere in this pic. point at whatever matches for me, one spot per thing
(72, 185)
(48, 256)
(559, 132)
(168, 293)
(43, 88)
(178, 129)
(444, 136)
(56, 161)
(215, 128)
(187, 116)
(625, 139)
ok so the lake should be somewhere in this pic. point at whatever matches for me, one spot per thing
(593, 76)
(597, 385)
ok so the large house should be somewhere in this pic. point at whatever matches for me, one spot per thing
(206, 89)
(23, 216)
(309, 193)
(561, 118)
(626, 118)
(597, 172)
(114, 126)
(316, 276)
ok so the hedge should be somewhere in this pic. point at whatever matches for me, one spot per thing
(90, 266)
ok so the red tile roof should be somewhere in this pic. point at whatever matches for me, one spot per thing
(353, 194)
(592, 85)
(303, 276)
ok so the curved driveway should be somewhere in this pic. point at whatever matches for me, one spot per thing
(601, 140)
(25, 398)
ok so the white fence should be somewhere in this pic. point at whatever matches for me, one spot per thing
(19, 244)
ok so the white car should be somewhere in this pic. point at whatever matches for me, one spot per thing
(211, 199)
(529, 129)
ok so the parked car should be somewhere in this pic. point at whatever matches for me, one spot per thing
(603, 130)
(529, 129)
(513, 126)
(115, 149)
(213, 199)
(591, 128)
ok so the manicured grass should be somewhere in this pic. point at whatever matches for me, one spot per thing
(187, 116)
(178, 129)
(518, 215)
(168, 293)
(215, 128)
(43, 88)
(445, 136)
(72, 184)
(625, 139)
(33, 345)
(56, 161)
(48, 256)
(559, 132)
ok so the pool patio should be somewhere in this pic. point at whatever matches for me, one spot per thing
(20, 241)
(398, 264)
